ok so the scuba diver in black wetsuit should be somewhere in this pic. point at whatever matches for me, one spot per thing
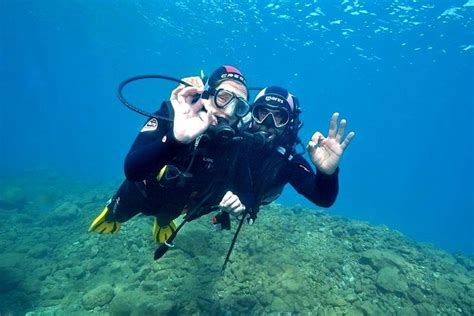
(275, 116)
(189, 163)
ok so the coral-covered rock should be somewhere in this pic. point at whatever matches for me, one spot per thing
(98, 297)
(389, 279)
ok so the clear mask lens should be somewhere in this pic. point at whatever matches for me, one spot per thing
(224, 99)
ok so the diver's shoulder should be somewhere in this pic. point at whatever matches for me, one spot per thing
(166, 111)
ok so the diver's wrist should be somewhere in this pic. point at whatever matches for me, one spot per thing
(328, 173)
(181, 137)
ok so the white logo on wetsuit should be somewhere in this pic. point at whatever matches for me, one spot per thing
(151, 125)
(304, 168)
(209, 162)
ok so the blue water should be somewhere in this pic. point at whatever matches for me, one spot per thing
(401, 73)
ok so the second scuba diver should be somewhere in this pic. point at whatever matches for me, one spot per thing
(187, 163)
(275, 116)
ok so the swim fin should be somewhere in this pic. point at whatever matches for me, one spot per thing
(162, 233)
(102, 226)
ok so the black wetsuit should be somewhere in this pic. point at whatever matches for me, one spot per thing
(212, 168)
(272, 169)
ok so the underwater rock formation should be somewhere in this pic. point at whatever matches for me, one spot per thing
(292, 260)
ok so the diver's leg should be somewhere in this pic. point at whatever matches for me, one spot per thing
(163, 223)
(119, 209)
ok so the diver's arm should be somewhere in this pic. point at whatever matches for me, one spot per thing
(154, 145)
(319, 188)
(147, 154)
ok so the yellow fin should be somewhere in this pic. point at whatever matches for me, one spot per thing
(162, 233)
(99, 225)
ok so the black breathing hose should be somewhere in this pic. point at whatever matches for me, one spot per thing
(136, 78)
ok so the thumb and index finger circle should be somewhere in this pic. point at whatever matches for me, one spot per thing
(314, 142)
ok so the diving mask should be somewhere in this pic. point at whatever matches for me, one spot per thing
(279, 115)
(224, 98)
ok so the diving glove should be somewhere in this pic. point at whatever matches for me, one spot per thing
(162, 233)
(102, 226)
